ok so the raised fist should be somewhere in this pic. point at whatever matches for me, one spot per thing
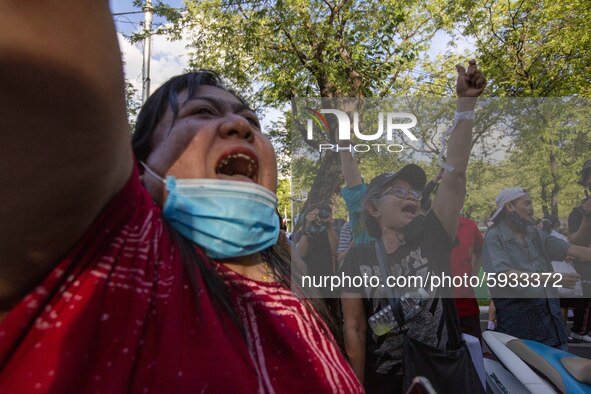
(470, 83)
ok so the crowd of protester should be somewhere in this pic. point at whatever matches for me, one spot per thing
(513, 243)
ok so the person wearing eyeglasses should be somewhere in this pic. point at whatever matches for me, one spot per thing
(415, 245)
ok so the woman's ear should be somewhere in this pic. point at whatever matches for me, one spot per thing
(509, 207)
(372, 209)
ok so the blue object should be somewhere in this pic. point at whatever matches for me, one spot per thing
(553, 357)
(227, 219)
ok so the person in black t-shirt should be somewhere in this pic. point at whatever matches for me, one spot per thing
(415, 245)
(579, 228)
(317, 241)
(579, 221)
(426, 244)
(317, 246)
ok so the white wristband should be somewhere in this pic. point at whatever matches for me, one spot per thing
(468, 115)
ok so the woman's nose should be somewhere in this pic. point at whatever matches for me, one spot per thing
(236, 126)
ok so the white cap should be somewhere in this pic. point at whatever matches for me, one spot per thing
(507, 195)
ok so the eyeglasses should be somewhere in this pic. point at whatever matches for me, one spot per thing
(402, 192)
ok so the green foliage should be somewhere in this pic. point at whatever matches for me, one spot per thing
(311, 47)
(276, 50)
(531, 47)
(132, 104)
(172, 15)
(273, 51)
(283, 193)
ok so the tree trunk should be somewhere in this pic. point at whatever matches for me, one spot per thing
(544, 197)
(555, 184)
(326, 182)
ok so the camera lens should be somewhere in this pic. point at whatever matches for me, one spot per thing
(324, 213)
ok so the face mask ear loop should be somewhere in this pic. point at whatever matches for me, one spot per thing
(151, 172)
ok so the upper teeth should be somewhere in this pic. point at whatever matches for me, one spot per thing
(236, 156)
(251, 162)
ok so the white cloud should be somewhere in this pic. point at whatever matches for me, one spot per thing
(168, 59)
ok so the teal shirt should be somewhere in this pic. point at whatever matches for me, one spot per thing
(353, 197)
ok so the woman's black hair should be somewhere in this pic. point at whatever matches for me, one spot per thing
(301, 222)
(314, 298)
(499, 218)
(278, 256)
(369, 222)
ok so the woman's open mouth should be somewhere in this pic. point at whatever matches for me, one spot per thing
(238, 164)
(410, 208)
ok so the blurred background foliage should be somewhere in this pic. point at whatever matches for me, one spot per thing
(274, 51)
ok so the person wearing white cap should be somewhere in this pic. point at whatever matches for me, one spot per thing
(514, 246)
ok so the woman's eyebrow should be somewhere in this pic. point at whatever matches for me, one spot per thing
(234, 106)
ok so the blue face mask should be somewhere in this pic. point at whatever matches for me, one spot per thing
(227, 219)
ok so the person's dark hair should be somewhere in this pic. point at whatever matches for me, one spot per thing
(278, 256)
(553, 219)
(301, 222)
(500, 217)
(371, 224)
(546, 225)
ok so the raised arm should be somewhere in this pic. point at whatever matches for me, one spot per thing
(64, 133)
(450, 195)
(350, 169)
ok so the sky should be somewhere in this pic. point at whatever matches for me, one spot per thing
(169, 58)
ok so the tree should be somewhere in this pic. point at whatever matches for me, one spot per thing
(532, 48)
(277, 50)
(133, 105)
(283, 206)
(304, 48)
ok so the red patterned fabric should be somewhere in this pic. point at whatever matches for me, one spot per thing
(118, 314)
(470, 241)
